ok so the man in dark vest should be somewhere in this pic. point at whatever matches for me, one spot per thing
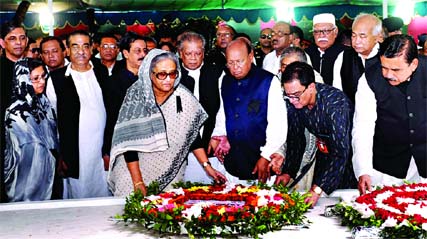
(81, 105)
(14, 41)
(253, 115)
(350, 64)
(390, 123)
(325, 49)
(202, 80)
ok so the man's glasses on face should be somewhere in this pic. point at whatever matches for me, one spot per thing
(238, 63)
(163, 74)
(280, 34)
(76, 48)
(323, 31)
(295, 96)
(265, 36)
(140, 50)
(225, 35)
(36, 50)
(109, 46)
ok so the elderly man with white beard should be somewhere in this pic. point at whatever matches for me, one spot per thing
(325, 50)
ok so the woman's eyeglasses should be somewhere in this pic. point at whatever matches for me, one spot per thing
(38, 78)
(162, 75)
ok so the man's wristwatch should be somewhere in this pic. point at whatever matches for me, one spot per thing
(205, 164)
(317, 190)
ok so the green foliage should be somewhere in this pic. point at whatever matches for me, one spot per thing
(351, 218)
(253, 223)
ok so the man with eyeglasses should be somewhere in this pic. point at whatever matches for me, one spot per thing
(351, 63)
(264, 46)
(81, 103)
(133, 48)
(281, 37)
(108, 51)
(326, 112)
(325, 49)
(252, 117)
(390, 120)
(224, 35)
(13, 39)
(202, 80)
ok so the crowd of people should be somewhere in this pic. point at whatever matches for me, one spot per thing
(81, 120)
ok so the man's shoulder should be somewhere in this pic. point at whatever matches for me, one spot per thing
(331, 93)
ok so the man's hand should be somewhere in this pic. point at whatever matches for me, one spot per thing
(312, 198)
(62, 168)
(106, 159)
(364, 184)
(262, 169)
(276, 163)
(282, 179)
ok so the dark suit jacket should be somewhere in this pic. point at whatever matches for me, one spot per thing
(68, 107)
(208, 98)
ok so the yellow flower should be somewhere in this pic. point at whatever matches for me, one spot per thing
(195, 188)
(221, 211)
(251, 189)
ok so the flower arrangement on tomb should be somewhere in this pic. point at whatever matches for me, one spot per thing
(211, 210)
(398, 211)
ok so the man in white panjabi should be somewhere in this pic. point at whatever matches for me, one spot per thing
(81, 110)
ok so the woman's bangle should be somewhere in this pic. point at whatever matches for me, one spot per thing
(138, 183)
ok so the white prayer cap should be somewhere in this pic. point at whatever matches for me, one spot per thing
(324, 18)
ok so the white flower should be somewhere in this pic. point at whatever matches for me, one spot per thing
(262, 201)
(195, 210)
(364, 210)
(390, 222)
(418, 208)
(424, 226)
(177, 191)
(382, 196)
(404, 223)
(405, 200)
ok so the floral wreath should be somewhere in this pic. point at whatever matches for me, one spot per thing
(208, 210)
(398, 211)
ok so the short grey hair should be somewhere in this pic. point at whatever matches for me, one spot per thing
(378, 28)
(191, 37)
(163, 56)
(294, 51)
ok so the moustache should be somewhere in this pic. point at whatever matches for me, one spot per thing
(322, 39)
(391, 79)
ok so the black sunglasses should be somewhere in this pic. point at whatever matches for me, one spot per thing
(263, 36)
(36, 49)
(162, 75)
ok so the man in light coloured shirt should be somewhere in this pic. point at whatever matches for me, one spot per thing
(202, 80)
(281, 37)
(389, 125)
(81, 105)
(252, 116)
(325, 49)
(351, 63)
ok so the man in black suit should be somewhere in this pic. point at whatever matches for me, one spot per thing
(13, 39)
(81, 107)
(202, 80)
(108, 51)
